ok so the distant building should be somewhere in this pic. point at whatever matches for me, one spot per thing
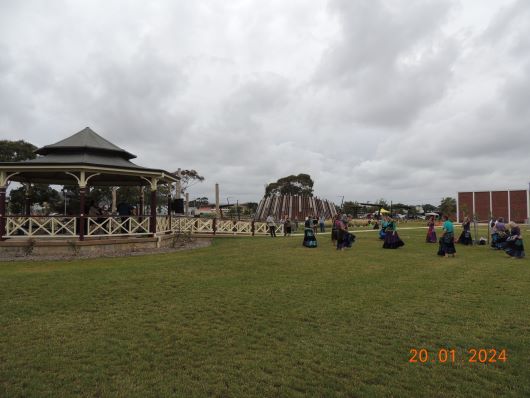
(512, 205)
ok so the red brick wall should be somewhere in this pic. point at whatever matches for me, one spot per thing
(465, 204)
(482, 205)
(518, 206)
(500, 204)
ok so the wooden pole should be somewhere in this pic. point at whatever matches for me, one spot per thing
(141, 210)
(27, 202)
(113, 208)
(82, 191)
(2, 212)
(152, 224)
(187, 204)
(169, 207)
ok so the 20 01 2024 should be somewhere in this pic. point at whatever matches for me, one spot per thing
(472, 355)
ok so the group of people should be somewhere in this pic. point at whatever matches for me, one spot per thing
(447, 240)
(289, 225)
(507, 237)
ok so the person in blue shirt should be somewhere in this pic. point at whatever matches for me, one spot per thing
(447, 241)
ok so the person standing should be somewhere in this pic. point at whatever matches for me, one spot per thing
(431, 233)
(447, 241)
(334, 230)
(392, 239)
(341, 232)
(465, 236)
(287, 227)
(272, 226)
(322, 224)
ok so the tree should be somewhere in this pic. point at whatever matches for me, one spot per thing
(428, 208)
(448, 206)
(188, 178)
(301, 184)
(14, 151)
(40, 194)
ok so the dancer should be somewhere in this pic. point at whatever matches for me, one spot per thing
(287, 227)
(392, 240)
(499, 236)
(465, 236)
(334, 230)
(447, 244)
(431, 233)
(514, 243)
(384, 225)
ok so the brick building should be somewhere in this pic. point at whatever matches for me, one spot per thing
(512, 205)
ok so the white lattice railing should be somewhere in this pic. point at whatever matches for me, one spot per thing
(261, 228)
(41, 226)
(60, 226)
(116, 226)
(163, 224)
(225, 227)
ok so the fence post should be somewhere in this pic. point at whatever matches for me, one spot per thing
(252, 227)
(214, 225)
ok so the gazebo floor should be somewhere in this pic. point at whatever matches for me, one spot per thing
(91, 246)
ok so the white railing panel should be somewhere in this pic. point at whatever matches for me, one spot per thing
(22, 226)
(162, 224)
(117, 226)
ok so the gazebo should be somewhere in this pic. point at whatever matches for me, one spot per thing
(85, 159)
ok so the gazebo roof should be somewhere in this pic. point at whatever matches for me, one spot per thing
(84, 151)
(86, 141)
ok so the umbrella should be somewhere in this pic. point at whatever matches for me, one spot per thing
(383, 210)
(432, 214)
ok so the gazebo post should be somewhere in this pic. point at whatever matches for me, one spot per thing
(2, 212)
(141, 210)
(82, 191)
(27, 201)
(169, 206)
(152, 223)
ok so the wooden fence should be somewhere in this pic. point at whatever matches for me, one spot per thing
(68, 226)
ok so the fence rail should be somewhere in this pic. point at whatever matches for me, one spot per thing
(106, 226)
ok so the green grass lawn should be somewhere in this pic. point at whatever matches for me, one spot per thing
(266, 317)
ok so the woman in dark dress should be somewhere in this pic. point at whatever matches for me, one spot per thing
(514, 243)
(465, 236)
(431, 233)
(447, 241)
(392, 240)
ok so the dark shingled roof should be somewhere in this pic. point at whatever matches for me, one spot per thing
(86, 141)
(84, 149)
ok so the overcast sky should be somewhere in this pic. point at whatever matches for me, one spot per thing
(407, 100)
